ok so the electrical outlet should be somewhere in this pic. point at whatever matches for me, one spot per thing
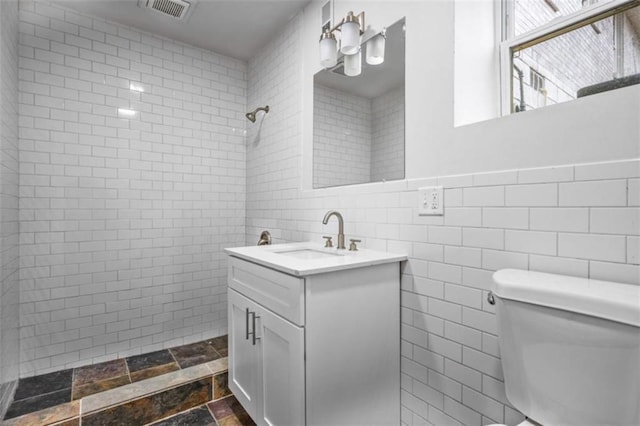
(430, 201)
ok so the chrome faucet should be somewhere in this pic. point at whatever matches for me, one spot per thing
(340, 226)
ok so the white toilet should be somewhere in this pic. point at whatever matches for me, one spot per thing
(570, 348)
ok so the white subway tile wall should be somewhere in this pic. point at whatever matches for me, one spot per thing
(132, 168)
(9, 174)
(128, 197)
(342, 132)
(387, 147)
(575, 220)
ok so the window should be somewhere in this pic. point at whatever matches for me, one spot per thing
(568, 49)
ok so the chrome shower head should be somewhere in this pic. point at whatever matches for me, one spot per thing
(251, 116)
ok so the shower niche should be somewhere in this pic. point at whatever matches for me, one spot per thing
(359, 122)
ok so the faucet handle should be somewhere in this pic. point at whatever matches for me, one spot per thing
(328, 242)
(353, 246)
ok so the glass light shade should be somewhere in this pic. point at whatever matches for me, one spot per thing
(349, 38)
(375, 50)
(353, 64)
(328, 52)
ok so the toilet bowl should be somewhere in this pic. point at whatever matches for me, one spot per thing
(569, 347)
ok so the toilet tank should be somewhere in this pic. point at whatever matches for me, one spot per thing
(570, 347)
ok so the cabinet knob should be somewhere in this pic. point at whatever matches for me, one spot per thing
(328, 242)
(353, 246)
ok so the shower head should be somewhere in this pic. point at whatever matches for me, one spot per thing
(252, 115)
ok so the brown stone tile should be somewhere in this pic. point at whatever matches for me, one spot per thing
(194, 353)
(37, 403)
(229, 408)
(99, 372)
(97, 387)
(124, 394)
(199, 416)
(154, 407)
(152, 359)
(47, 416)
(220, 386)
(220, 344)
(239, 420)
(71, 422)
(159, 370)
(218, 365)
(42, 384)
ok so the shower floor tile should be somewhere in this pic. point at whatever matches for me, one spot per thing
(150, 365)
(45, 383)
(49, 391)
(195, 353)
(37, 403)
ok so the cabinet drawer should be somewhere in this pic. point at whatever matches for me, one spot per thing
(281, 293)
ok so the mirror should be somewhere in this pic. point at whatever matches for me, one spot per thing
(358, 122)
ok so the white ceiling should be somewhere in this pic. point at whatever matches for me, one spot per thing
(237, 28)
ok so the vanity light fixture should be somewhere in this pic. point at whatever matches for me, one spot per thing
(328, 49)
(351, 27)
(375, 48)
(353, 64)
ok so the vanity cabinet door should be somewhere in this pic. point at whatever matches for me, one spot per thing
(282, 371)
(266, 369)
(243, 355)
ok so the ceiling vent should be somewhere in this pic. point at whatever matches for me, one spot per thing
(174, 8)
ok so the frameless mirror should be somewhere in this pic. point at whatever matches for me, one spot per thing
(358, 122)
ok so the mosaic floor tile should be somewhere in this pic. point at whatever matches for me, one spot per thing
(195, 353)
(37, 403)
(196, 417)
(99, 372)
(45, 383)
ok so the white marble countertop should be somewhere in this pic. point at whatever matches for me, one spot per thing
(308, 258)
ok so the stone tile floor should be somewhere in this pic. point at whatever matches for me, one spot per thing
(224, 412)
(48, 390)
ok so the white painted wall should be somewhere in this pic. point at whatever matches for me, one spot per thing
(123, 219)
(9, 172)
(476, 61)
(507, 203)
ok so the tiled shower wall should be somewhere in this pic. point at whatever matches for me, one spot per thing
(9, 172)
(581, 220)
(387, 143)
(342, 132)
(123, 217)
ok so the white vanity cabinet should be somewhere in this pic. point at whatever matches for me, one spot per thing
(315, 346)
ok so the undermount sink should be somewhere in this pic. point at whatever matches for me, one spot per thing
(307, 253)
(311, 258)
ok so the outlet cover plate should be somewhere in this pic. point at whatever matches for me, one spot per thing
(430, 201)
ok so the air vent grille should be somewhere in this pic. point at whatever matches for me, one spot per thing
(174, 8)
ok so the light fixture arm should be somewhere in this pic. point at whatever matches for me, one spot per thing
(350, 18)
